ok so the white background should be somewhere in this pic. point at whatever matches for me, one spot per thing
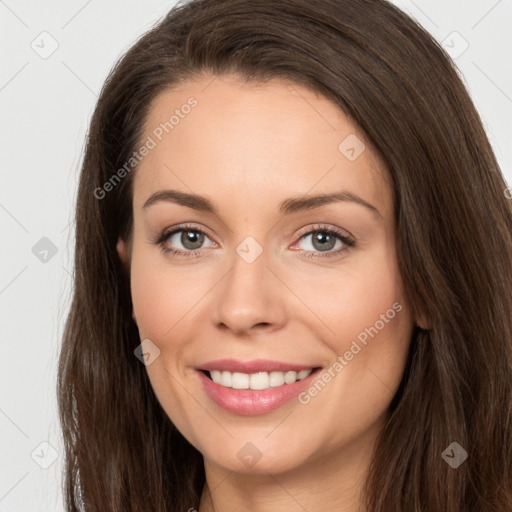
(45, 105)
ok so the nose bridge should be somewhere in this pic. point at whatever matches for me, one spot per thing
(248, 294)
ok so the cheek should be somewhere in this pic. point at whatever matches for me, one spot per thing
(166, 300)
(369, 350)
(369, 302)
(153, 301)
(356, 297)
(160, 304)
(156, 296)
(372, 330)
(376, 336)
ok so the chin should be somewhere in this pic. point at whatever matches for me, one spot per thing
(258, 456)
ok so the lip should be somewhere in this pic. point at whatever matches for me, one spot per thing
(254, 366)
(251, 402)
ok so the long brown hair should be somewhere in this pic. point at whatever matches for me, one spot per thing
(454, 225)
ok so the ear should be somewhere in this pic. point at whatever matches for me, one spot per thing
(421, 321)
(122, 251)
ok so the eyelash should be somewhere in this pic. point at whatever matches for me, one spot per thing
(347, 241)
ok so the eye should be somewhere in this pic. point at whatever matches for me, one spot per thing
(190, 238)
(324, 239)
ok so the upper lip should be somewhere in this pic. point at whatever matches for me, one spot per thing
(254, 366)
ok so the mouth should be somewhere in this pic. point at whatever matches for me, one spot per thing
(256, 381)
(255, 387)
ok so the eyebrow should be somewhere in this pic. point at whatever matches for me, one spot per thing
(287, 207)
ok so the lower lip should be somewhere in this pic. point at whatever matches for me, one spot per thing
(251, 402)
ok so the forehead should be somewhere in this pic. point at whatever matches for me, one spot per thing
(253, 144)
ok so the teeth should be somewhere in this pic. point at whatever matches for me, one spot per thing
(226, 379)
(290, 377)
(240, 381)
(303, 374)
(276, 379)
(258, 381)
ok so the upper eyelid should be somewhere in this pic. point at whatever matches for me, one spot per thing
(323, 227)
(177, 229)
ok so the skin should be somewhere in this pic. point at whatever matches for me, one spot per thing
(247, 147)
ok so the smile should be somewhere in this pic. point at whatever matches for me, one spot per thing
(260, 380)
(254, 387)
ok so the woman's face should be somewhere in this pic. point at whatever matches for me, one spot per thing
(267, 281)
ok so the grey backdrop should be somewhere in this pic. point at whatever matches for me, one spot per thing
(56, 56)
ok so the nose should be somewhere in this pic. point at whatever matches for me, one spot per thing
(250, 297)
